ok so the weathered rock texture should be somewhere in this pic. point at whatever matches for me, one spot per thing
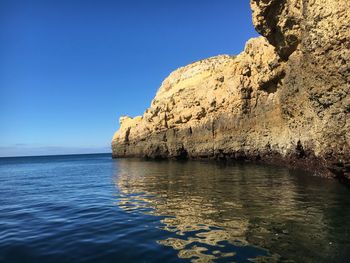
(284, 99)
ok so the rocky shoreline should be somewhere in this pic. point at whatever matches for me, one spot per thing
(284, 100)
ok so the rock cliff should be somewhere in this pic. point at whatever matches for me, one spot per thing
(285, 99)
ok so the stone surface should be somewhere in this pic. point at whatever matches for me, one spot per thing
(285, 99)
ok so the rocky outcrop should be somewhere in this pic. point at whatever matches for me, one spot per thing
(284, 99)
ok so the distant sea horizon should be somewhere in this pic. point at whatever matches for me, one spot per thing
(53, 155)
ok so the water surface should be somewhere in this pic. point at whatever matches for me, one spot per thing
(90, 208)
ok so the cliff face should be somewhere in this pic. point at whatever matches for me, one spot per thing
(284, 99)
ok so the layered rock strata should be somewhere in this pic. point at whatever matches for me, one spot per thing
(284, 99)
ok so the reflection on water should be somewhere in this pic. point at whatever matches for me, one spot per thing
(220, 212)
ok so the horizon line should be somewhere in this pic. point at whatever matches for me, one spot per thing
(48, 155)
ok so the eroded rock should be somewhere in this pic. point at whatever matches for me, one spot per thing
(284, 99)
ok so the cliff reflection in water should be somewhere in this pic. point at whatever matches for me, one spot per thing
(234, 212)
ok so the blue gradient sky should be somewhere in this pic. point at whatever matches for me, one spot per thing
(70, 68)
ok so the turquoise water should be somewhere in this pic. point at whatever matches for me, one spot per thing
(90, 208)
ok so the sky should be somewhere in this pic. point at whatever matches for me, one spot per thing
(70, 68)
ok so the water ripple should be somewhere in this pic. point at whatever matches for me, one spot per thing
(94, 209)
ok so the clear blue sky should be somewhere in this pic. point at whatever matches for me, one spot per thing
(70, 68)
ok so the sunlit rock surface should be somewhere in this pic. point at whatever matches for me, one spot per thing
(284, 99)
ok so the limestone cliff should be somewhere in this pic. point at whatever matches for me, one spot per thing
(284, 99)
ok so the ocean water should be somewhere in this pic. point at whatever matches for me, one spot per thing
(90, 208)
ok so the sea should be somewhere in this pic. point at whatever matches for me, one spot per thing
(92, 208)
